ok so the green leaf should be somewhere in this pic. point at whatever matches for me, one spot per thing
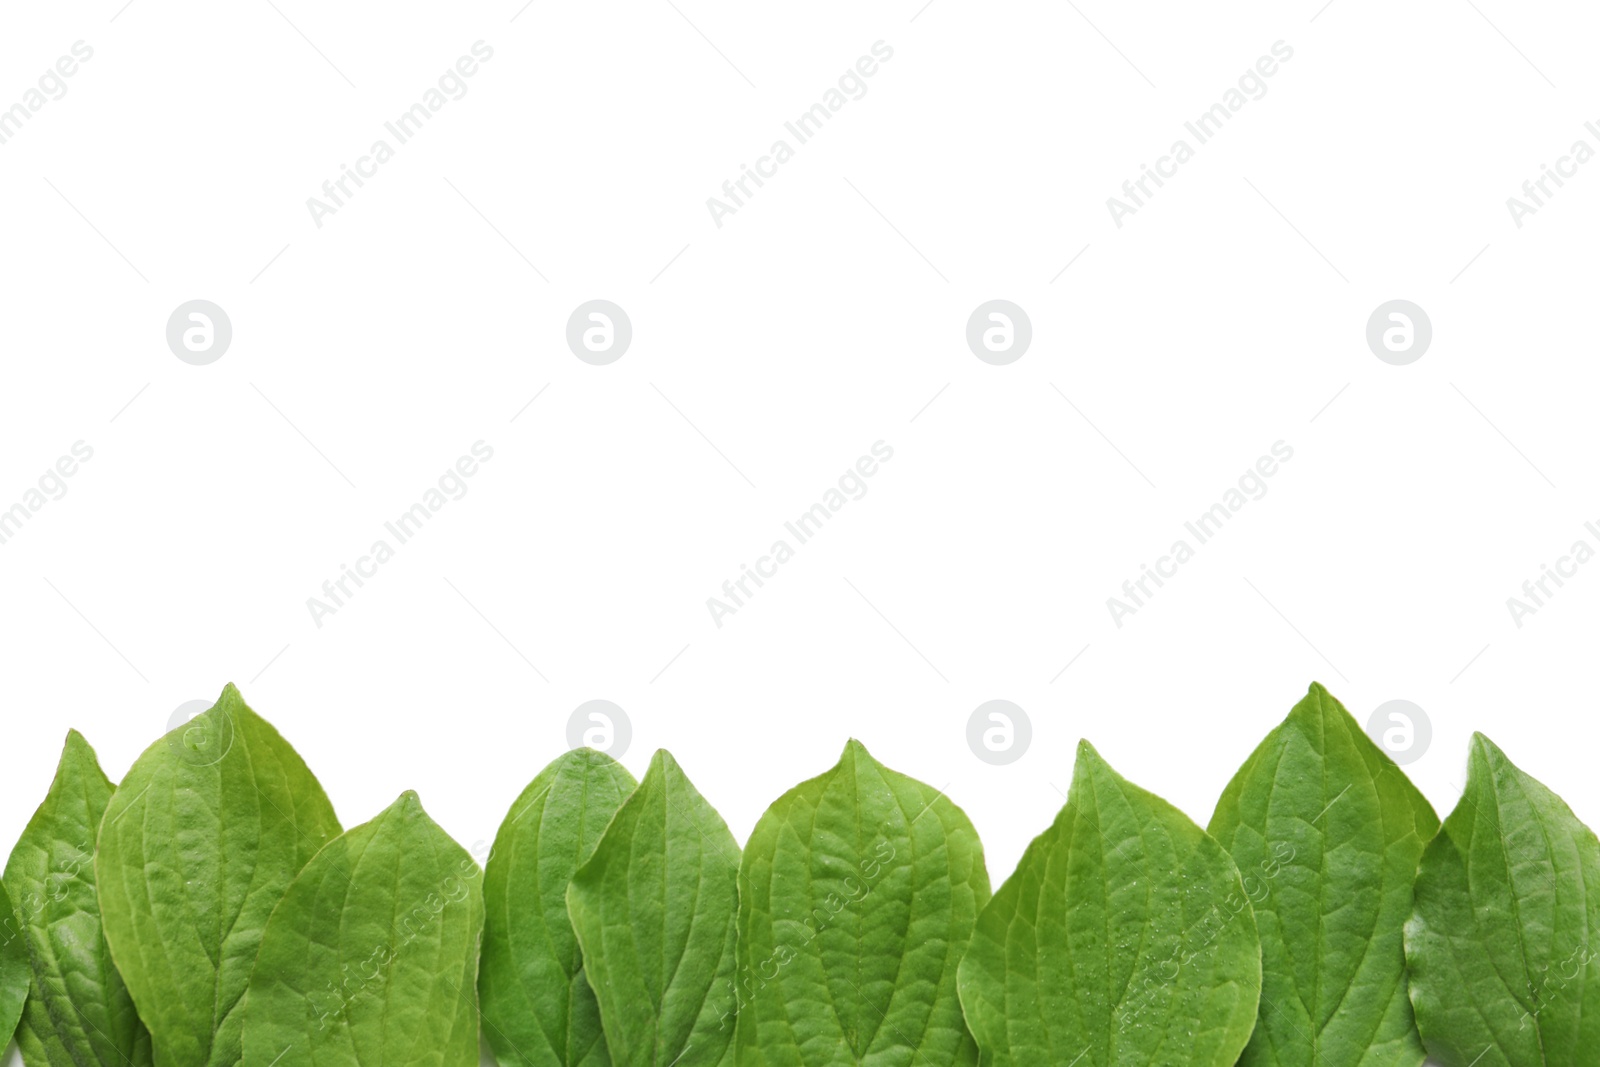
(857, 895)
(1503, 944)
(13, 969)
(37, 1040)
(1124, 937)
(372, 955)
(654, 910)
(1328, 832)
(196, 848)
(85, 1013)
(538, 1008)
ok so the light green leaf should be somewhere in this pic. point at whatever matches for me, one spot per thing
(1123, 938)
(538, 1008)
(85, 1013)
(857, 895)
(654, 910)
(196, 848)
(14, 970)
(1503, 943)
(1327, 832)
(372, 955)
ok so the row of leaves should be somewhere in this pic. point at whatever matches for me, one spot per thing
(210, 912)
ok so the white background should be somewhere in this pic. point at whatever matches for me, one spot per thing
(827, 314)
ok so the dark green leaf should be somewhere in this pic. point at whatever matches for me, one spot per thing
(372, 955)
(1506, 933)
(654, 910)
(196, 848)
(13, 969)
(1123, 938)
(37, 1040)
(857, 896)
(86, 1013)
(1328, 832)
(538, 1008)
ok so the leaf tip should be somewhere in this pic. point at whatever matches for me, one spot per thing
(1318, 705)
(1318, 696)
(1487, 764)
(408, 804)
(1480, 746)
(229, 705)
(76, 754)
